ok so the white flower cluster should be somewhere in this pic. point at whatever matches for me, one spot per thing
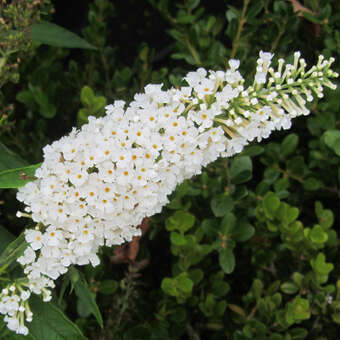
(97, 184)
(14, 304)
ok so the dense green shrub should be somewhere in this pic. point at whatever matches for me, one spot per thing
(246, 250)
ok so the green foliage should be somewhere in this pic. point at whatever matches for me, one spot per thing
(93, 105)
(16, 17)
(37, 100)
(247, 249)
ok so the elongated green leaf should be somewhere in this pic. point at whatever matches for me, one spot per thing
(50, 323)
(9, 160)
(16, 178)
(87, 298)
(54, 35)
(311, 18)
(14, 250)
(5, 238)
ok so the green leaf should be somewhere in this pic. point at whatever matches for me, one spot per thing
(220, 288)
(210, 227)
(298, 310)
(232, 13)
(220, 308)
(185, 19)
(310, 17)
(168, 286)
(46, 108)
(51, 34)
(184, 283)
(221, 204)
(50, 323)
(82, 117)
(196, 275)
(336, 318)
(87, 96)
(289, 145)
(312, 184)
(330, 136)
(227, 260)
(317, 235)
(87, 297)
(292, 214)
(270, 204)
(271, 175)
(320, 265)
(257, 288)
(27, 98)
(9, 160)
(289, 287)
(332, 140)
(5, 238)
(180, 220)
(228, 223)
(254, 10)
(208, 305)
(178, 286)
(241, 169)
(297, 166)
(253, 150)
(298, 278)
(336, 146)
(192, 4)
(177, 239)
(14, 250)
(16, 178)
(298, 333)
(325, 216)
(99, 104)
(108, 287)
(243, 231)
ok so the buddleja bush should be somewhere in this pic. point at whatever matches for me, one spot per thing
(243, 250)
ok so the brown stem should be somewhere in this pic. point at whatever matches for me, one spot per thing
(241, 23)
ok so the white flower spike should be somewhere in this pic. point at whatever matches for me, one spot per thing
(97, 184)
